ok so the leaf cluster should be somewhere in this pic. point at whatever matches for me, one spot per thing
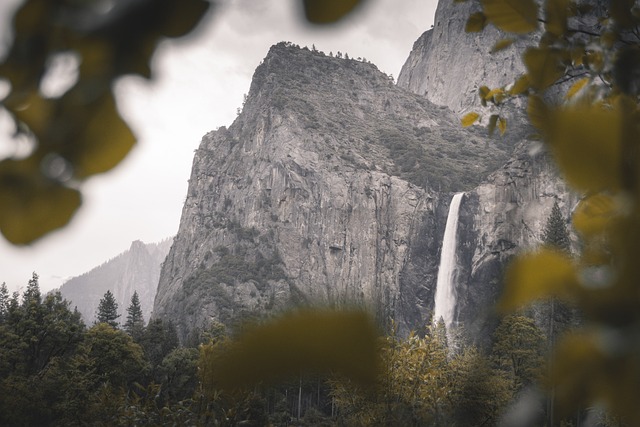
(76, 133)
(582, 88)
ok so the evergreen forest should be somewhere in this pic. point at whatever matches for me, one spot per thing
(55, 370)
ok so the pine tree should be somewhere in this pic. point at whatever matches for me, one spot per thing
(108, 310)
(134, 325)
(4, 302)
(32, 294)
(555, 232)
(556, 236)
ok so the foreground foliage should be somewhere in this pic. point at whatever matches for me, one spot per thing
(582, 86)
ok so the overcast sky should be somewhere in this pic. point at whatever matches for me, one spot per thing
(199, 83)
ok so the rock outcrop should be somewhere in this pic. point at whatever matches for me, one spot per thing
(332, 187)
(448, 65)
(317, 193)
(498, 219)
(136, 269)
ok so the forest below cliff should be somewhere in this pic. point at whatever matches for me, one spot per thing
(55, 370)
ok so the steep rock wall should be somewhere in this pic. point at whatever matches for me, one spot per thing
(313, 196)
(448, 65)
(499, 219)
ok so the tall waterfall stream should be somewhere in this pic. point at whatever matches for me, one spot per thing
(445, 299)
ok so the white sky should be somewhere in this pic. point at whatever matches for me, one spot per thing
(199, 83)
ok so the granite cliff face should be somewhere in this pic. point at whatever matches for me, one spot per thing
(448, 65)
(136, 269)
(499, 218)
(316, 194)
(333, 185)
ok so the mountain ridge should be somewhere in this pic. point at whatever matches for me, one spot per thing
(136, 269)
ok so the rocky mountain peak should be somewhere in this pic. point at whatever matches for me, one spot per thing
(332, 186)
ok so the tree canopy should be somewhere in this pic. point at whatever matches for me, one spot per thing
(108, 310)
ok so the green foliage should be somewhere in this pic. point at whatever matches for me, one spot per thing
(108, 310)
(519, 349)
(37, 339)
(589, 51)
(112, 356)
(158, 340)
(78, 133)
(422, 383)
(555, 233)
(4, 302)
(134, 325)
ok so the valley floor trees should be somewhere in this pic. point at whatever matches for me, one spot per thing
(55, 371)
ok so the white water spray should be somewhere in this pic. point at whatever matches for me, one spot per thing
(445, 300)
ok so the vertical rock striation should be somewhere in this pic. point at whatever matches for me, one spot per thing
(316, 194)
(448, 65)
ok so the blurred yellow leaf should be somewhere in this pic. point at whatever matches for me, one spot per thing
(502, 125)
(586, 143)
(328, 11)
(520, 86)
(482, 92)
(183, 17)
(533, 276)
(556, 14)
(476, 23)
(495, 95)
(514, 16)
(576, 87)
(342, 342)
(594, 60)
(577, 55)
(469, 119)
(493, 121)
(502, 44)
(35, 112)
(594, 213)
(31, 205)
(105, 139)
(538, 112)
(544, 66)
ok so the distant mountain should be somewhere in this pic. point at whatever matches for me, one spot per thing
(136, 269)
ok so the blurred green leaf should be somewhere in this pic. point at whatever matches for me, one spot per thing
(342, 342)
(586, 144)
(501, 44)
(538, 275)
(514, 16)
(556, 16)
(32, 206)
(328, 11)
(544, 66)
(476, 23)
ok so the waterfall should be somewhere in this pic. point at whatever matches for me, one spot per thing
(445, 300)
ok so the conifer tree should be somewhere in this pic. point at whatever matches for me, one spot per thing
(556, 236)
(108, 310)
(134, 326)
(555, 232)
(4, 302)
(32, 294)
